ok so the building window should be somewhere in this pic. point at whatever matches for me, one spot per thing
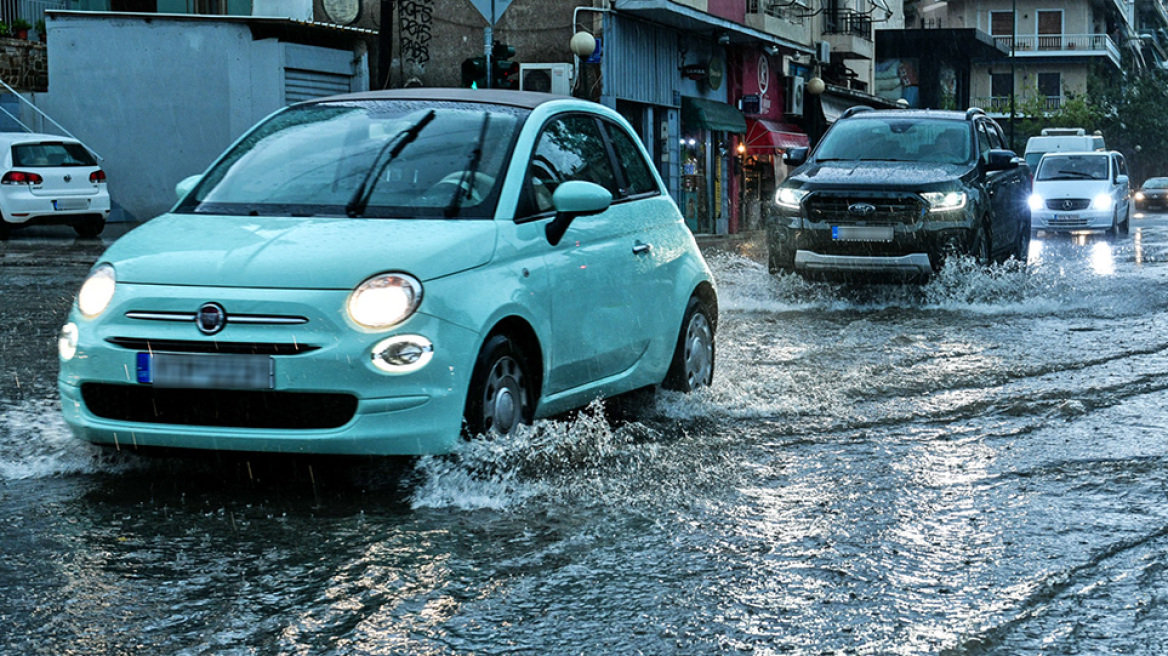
(1000, 90)
(1050, 29)
(1050, 88)
(1002, 26)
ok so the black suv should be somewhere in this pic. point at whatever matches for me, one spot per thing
(896, 191)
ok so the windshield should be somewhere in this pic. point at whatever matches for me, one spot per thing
(898, 140)
(1156, 183)
(370, 158)
(1072, 167)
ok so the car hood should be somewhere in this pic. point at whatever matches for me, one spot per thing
(295, 253)
(1071, 188)
(916, 176)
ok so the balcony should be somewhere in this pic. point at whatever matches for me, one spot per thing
(850, 34)
(999, 106)
(1078, 46)
(782, 18)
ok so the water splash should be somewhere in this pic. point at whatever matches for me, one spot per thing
(36, 443)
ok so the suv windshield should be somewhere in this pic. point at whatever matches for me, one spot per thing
(1072, 167)
(898, 140)
(370, 158)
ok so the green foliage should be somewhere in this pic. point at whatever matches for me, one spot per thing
(19, 24)
(5, 29)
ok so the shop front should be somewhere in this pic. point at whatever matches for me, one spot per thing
(707, 130)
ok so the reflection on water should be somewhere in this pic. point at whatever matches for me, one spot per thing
(1096, 251)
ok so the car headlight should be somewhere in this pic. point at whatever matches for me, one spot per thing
(790, 198)
(1101, 202)
(1139, 195)
(385, 300)
(1035, 202)
(945, 201)
(97, 291)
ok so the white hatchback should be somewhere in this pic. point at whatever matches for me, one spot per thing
(1087, 191)
(50, 180)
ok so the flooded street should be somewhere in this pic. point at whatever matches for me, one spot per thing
(978, 465)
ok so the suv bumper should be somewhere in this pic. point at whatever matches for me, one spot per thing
(912, 264)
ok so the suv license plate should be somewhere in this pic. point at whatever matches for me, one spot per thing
(861, 233)
(184, 370)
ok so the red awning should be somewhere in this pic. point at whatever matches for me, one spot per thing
(762, 134)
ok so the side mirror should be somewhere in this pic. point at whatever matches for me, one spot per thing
(1122, 180)
(795, 156)
(1001, 160)
(572, 199)
(185, 186)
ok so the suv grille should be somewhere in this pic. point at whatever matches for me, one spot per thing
(222, 408)
(850, 207)
(1067, 204)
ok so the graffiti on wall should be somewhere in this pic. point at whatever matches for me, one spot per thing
(417, 19)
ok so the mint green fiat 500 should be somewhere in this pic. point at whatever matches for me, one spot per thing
(388, 273)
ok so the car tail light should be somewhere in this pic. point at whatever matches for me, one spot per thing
(97, 176)
(21, 177)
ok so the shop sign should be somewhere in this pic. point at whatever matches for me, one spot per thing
(694, 71)
(749, 104)
(717, 71)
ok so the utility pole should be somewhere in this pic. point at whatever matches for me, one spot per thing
(1013, 81)
(385, 44)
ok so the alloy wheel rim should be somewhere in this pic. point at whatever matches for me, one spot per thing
(699, 342)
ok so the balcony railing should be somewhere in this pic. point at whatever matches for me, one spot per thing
(30, 10)
(848, 21)
(1060, 43)
(1001, 104)
(792, 10)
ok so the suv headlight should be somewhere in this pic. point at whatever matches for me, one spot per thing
(1035, 202)
(945, 201)
(790, 198)
(384, 300)
(1101, 202)
(97, 291)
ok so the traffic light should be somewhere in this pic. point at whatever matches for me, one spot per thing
(474, 72)
(504, 73)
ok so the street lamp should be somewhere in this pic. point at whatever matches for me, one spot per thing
(1013, 44)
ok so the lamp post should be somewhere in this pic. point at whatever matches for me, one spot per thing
(1013, 44)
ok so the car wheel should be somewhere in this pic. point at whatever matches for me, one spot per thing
(500, 397)
(90, 228)
(5, 230)
(1125, 225)
(776, 264)
(693, 358)
(1022, 244)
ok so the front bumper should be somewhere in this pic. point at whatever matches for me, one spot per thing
(1048, 221)
(912, 264)
(382, 414)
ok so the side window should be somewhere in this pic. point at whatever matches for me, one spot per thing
(1120, 165)
(638, 175)
(993, 134)
(983, 142)
(570, 148)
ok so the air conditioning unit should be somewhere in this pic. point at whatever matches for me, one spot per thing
(823, 52)
(793, 90)
(547, 78)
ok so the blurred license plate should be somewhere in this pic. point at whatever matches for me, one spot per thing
(206, 371)
(70, 204)
(861, 233)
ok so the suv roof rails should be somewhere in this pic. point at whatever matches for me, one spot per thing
(852, 111)
(974, 111)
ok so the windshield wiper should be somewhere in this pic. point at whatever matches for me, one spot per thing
(360, 200)
(468, 176)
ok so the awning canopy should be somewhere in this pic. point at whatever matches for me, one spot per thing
(762, 134)
(835, 106)
(703, 114)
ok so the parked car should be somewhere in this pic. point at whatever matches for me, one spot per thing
(50, 180)
(1085, 191)
(383, 272)
(895, 192)
(1152, 196)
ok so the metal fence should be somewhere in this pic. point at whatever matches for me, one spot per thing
(31, 10)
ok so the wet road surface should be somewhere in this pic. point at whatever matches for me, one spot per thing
(978, 465)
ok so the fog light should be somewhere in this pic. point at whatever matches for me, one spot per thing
(67, 341)
(402, 354)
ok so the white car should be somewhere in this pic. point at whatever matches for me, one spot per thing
(1086, 191)
(50, 180)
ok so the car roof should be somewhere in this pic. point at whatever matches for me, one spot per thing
(10, 138)
(524, 99)
(945, 114)
(1080, 153)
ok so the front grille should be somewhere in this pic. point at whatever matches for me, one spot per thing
(184, 346)
(1068, 222)
(1067, 204)
(219, 408)
(841, 208)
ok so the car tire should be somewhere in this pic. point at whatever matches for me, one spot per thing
(5, 230)
(1022, 244)
(90, 228)
(1125, 225)
(777, 265)
(693, 358)
(500, 395)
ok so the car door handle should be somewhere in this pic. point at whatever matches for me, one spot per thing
(641, 249)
